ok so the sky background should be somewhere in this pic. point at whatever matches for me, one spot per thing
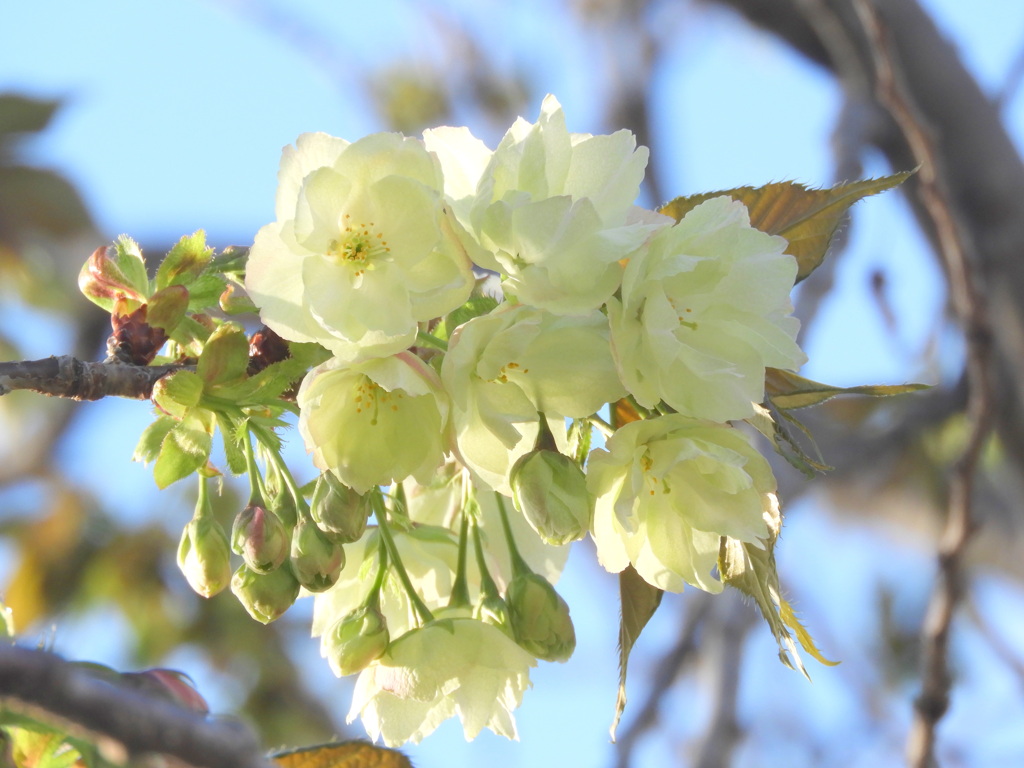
(175, 116)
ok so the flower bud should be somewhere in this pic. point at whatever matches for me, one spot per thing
(540, 618)
(266, 596)
(111, 273)
(338, 510)
(355, 640)
(260, 538)
(551, 492)
(316, 560)
(204, 556)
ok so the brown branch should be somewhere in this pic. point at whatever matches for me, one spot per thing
(140, 724)
(933, 701)
(69, 377)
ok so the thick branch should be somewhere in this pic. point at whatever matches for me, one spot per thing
(142, 725)
(76, 379)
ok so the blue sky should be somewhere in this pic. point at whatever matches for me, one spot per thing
(175, 117)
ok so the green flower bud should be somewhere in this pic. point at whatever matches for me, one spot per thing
(260, 538)
(540, 618)
(316, 560)
(355, 640)
(266, 596)
(338, 510)
(204, 556)
(551, 492)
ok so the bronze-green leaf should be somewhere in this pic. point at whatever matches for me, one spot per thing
(788, 391)
(807, 218)
(639, 602)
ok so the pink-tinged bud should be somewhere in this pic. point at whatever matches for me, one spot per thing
(103, 281)
(316, 560)
(266, 596)
(338, 510)
(260, 538)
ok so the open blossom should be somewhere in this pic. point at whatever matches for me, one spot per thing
(504, 368)
(375, 422)
(705, 308)
(668, 489)
(552, 209)
(363, 248)
(450, 667)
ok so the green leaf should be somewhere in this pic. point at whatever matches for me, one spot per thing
(185, 449)
(152, 438)
(783, 442)
(229, 431)
(225, 355)
(639, 602)
(178, 393)
(231, 260)
(190, 334)
(185, 261)
(166, 308)
(788, 391)
(128, 257)
(308, 353)
(752, 571)
(265, 387)
(41, 200)
(807, 218)
(204, 292)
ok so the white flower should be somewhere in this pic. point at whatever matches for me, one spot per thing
(552, 209)
(450, 667)
(503, 368)
(374, 422)
(668, 489)
(363, 248)
(704, 309)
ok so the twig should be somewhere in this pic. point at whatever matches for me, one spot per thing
(141, 724)
(67, 376)
(933, 700)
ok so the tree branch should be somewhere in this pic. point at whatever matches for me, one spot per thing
(955, 250)
(69, 377)
(140, 724)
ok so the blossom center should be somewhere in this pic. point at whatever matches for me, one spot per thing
(371, 397)
(358, 245)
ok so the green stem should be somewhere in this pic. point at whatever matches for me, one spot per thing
(203, 506)
(460, 589)
(488, 588)
(603, 426)
(279, 464)
(519, 566)
(425, 339)
(377, 503)
(256, 495)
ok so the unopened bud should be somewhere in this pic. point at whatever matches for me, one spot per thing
(204, 556)
(355, 640)
(338, 510)
(540, 618)
(266, 596)
(316, 560)
(111, 273)
(551, 492)
(260, 538)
